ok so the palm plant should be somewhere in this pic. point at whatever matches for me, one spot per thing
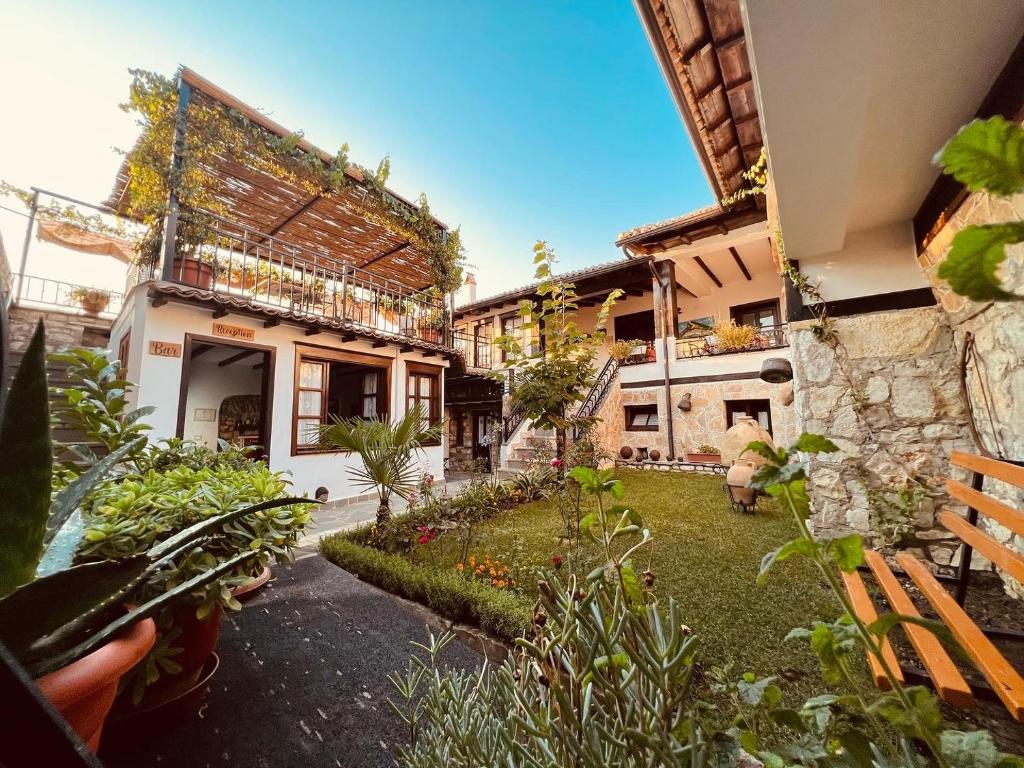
(388, 450)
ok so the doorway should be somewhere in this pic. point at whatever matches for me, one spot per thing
(226, 394)
(759, 410)
(482, 422)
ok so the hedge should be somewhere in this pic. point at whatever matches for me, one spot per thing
(452, 595)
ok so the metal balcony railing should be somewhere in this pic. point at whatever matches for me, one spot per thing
(235, 261)
(477, 352)
(768, 337)
(43, 292)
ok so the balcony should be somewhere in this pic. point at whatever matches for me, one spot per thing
(32, 292)
(476, 351)
(242, 267)
(766, 337)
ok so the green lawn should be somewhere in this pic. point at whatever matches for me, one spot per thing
(705, 556)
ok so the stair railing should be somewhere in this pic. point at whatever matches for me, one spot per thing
(598, 392)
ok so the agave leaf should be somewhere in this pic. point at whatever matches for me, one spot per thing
(60, 552)
(43, 606)
(26, 461)
(210, 525)
(67, 500)
(135, 615)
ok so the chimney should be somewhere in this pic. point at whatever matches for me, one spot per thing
(467, 294)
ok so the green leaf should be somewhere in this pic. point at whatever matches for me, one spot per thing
(787, 550)
(973, 749)
(763, 449)
(754, 692)
(847, 552)
(588, 524)
(986, 155)
(977, 252)
(923, 716)
(808, 442)
(631, 584)
(885, 623)
(26, 460)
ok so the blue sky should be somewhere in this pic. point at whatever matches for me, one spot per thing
(521, 121)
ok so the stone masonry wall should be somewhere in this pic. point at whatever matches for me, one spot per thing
(996, 385)
(901, 432)
(62, 329)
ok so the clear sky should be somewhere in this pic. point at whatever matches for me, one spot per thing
(521, 120)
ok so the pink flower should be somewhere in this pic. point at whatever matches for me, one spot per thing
(424, 539)
(556, 463)
(556, 560)
(428, 480)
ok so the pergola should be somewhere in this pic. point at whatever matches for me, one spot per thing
(327, 225)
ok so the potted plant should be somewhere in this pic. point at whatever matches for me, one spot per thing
(729, 337)
(705, 453)
(625, 350)
(429, 324)
(76, 628)
(92, 300)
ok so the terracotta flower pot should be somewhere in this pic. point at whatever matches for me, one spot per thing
(704, 458)
(738, 478)
(248, 590)
(84, 691)
(95, 303)
(745, 431)
(193, 272)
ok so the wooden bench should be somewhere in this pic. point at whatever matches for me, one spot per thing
(946, 678)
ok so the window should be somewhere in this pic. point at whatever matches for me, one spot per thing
(763, 314)
(482, 333)
(423, 389)
(639, 325)
(123, 347)
(642, 418)
(512, 325)
(331, 384)
(759, 410)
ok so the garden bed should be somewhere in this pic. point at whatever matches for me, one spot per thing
(705, 556)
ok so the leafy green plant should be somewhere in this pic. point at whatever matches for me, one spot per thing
(554, 377)
(388, 452)
(707, 448)
(51, 612)
(912, 711)
(985, 155)
(623, 348)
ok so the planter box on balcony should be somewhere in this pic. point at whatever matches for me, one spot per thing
(704, 458)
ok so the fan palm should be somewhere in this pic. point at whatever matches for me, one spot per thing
(388, 450)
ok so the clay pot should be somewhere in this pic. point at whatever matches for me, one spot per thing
(704, 458)
(738, 479)
(655, 454)
(96, 303)
(84, 691)
(626, 452)
(248, 590)
(776, 370)
(641, 454)
(192, 272)
(739, 436)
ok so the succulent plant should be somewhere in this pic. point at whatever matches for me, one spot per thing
(51, 612)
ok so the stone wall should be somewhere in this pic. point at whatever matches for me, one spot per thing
(63, 329)
(996, 384)
(896, 433)
(704, 423)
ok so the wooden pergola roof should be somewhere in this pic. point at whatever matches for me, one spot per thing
(702, 48)
(326, 224)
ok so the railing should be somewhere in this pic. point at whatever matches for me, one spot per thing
(596, 395)
(235, 261)
(771, 337)
(476, 351)
(44, 292)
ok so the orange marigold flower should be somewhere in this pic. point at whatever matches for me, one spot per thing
(502, 584)
(493, 572)
(459, 566)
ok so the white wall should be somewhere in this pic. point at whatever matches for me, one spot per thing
(763, 287)
(159, 382)
(208, 385)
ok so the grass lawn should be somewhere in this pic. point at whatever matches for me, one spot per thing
(705, 556)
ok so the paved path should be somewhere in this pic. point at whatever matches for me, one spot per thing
(303, 679)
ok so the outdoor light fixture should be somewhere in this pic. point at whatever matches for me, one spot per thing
(684, 402)
(776, 370)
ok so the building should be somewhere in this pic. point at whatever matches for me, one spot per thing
(291, 309)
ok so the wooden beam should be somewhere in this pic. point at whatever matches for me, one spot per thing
(739, 262)
(219, 313)
(159, 301)
(200, 349)
(406, 349)
(235, 358)
(271, 323)
(379, 343)
(347, 337)
(257, 366)
(634, 291)
(430, 353)
(312, 331)
(707, 271)
(386, 253)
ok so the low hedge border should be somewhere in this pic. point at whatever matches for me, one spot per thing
(452, 595)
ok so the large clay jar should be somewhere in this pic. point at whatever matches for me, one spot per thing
(626, 452)
(84, 690)
(738, 478)
(745, 431)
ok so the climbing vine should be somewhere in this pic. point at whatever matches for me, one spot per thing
(215, 131)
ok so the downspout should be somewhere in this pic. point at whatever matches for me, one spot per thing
(664, 356)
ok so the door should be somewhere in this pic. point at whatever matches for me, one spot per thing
(481, 436)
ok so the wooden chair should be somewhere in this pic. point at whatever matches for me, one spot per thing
(949, 683)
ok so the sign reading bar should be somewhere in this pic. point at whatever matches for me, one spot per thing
(164, 349)
(236, 332)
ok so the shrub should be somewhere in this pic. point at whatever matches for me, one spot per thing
(449, 593)
(707, 448)
(728, 335)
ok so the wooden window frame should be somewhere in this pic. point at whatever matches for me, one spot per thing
(123, 350)
(327, 355)
(774, 304)
(630, 410)
(412, 396)
(748, 402)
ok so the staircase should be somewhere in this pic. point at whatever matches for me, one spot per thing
(592, 402)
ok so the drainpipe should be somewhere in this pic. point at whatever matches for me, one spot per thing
(664, 355)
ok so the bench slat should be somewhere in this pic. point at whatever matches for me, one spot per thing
(998, 553)
(1000, 470)
(987, 506)
(946, 678)
(864, 607)
(1003, 678)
